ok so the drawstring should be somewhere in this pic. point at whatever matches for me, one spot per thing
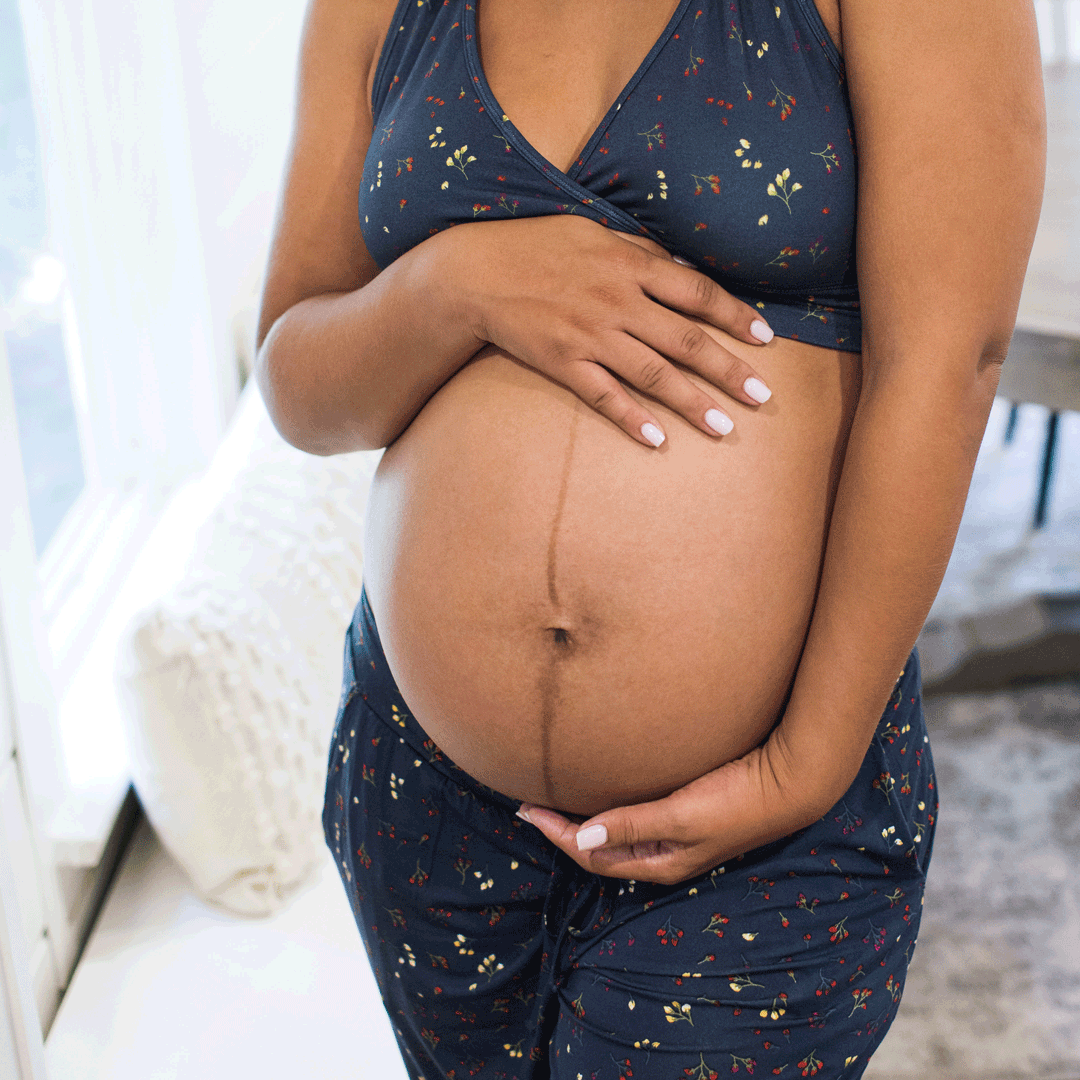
(573, 891)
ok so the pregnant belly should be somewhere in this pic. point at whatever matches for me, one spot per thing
(582, 622)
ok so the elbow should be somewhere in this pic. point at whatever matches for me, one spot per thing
(972, 389)
(285, 417)
(973, 384)
(281, 395)
(988, 375)
(307, 420)
(990, 364)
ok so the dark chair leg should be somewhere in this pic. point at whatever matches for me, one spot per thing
(1010, 427)
(1049, 454)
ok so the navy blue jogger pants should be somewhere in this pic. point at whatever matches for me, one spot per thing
(498, 957)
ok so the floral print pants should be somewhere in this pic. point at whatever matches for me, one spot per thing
(498, 957)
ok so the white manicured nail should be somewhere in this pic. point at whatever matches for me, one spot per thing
(592, 837)
(652, 433)
(761, 331)
(719, 422)
(683, 262)
(757, 390)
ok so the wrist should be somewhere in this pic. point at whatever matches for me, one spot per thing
(450, 273)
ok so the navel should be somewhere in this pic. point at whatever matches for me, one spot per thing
(562, 641)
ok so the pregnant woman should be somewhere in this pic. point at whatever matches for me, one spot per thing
(630, 775)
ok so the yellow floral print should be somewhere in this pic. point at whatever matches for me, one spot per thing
(780, 189)
(458, 160)
(675, 1012)
(744, 145)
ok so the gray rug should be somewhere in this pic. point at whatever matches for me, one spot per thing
(994, 988)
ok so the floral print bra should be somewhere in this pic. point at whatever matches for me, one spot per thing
(731, 146)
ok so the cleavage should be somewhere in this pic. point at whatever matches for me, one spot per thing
(557, 66)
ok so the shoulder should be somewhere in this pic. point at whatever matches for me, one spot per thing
(317, 245)
(346, 36)
(937, 56)
(949, 118)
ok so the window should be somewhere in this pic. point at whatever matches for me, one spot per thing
(140, 154)
(32, 298)
(112, 392)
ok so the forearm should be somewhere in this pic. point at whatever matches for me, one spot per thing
(348, 371)
(906, 472)
(941, 266)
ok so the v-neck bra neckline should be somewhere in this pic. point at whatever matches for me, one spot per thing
(639, 174)
(491, 104)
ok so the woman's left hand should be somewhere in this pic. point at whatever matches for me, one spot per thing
(750, 801)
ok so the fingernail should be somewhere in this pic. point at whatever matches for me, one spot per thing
(592, 837)
(761, 331)
(652, 433)
(524, 816)
(719, 422)
(683, 262)
(757, 390)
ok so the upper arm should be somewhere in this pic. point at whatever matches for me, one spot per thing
(950, 129)
(317, 246)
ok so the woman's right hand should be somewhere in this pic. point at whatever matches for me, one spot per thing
(582, 303)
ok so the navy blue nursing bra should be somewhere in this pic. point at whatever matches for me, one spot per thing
(731, 147)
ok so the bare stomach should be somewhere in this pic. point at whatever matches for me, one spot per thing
(579, 621)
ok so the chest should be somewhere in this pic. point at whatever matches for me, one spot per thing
(719, 128)
(556, 66)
